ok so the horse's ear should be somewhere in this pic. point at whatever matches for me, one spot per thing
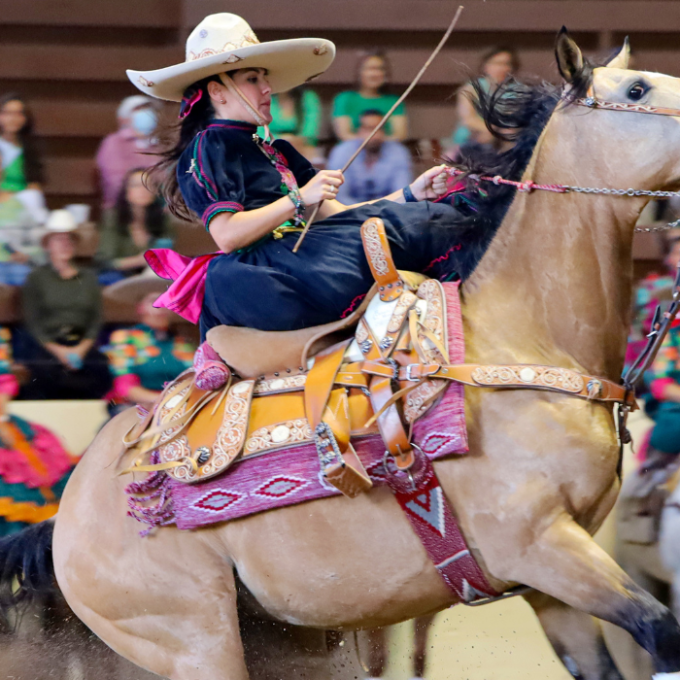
(568, 54)
(622, 57)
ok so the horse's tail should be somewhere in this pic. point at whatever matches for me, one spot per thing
(26, 567)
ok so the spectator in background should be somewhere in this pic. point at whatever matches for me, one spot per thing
(34, 466)
(373, 76)
(142, 359)
(63, 310)
(382, 168)
(21, 166)
(18, 239)
(497, 65)
(137, 222)
(132, 146)
(297, 118)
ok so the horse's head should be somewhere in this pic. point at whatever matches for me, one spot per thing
(631, 135)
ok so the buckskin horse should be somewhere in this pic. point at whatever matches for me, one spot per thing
(552, 286)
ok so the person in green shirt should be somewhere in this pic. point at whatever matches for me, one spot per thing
(21, 163)
(373, 76)
(138, 222)
(296, 117)
(63, 314)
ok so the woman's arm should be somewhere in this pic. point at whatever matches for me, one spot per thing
(399, 128)
(423, 188)
(342, 126)
(233, 231)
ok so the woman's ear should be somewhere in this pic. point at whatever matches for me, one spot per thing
(217, 91)
(568, 55)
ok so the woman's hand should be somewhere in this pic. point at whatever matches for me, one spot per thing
(431, 184)
(323, 186)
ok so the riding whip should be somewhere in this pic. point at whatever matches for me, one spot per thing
(386, 117)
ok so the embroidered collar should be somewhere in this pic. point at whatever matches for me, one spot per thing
(234, 125)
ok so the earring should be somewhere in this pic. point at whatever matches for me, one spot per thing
(223, 101)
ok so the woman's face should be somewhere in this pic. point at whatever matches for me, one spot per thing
(61, 247)
(254, 84)
(12, 117)
(136, 193)
(373, 73)
(498, 67)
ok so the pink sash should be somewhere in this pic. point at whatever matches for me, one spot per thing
(185, 295)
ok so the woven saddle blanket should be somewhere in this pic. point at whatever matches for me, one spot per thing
(277, 463)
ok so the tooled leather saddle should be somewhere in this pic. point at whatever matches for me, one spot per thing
(376, 371)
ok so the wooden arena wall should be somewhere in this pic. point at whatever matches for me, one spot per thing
(68, 57)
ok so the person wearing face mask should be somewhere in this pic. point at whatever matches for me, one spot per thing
(252, 193)
(129, 147)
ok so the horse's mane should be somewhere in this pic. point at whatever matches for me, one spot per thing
(514, 112)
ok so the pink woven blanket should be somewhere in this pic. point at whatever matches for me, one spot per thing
(292, 476)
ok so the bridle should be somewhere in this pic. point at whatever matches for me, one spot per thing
(592, 102)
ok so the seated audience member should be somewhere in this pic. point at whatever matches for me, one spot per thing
(131, 146)
(34, 466)
(142, 359)
(22, 166)
(138, 222)
(297, 118)
(373, 74)
(497, 65)
(383, 167)
(63, 309)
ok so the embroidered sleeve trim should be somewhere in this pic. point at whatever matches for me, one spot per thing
(217, 208)
(200, 175)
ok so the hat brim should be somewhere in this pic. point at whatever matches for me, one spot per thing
(134, 289)
(47, 234)
(289, 63)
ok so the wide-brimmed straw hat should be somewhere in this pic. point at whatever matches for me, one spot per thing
(59, 222)
(225, 42)
(134, 289)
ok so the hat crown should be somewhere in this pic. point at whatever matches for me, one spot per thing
(60, 220)
(219, 33)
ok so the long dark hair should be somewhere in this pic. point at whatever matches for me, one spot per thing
(33, 166)
(153, 217)
(175, 138)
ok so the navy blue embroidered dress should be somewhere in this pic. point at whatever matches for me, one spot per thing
(266, 285)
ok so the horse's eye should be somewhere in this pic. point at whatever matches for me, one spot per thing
(637, 92)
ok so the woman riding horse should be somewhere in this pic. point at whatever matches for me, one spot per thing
(252, 194)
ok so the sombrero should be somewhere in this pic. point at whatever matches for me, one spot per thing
(225, 42)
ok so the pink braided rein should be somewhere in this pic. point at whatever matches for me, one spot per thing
(524, 187)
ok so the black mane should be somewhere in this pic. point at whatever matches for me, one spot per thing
(513, 112)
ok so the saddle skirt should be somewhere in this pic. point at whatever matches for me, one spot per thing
(198, 435)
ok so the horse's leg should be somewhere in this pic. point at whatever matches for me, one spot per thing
(377, 651)
(576, 638)
(183, 626)
(421, 627)
(565, 562)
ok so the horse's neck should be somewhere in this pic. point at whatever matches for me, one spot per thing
(555, 285)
